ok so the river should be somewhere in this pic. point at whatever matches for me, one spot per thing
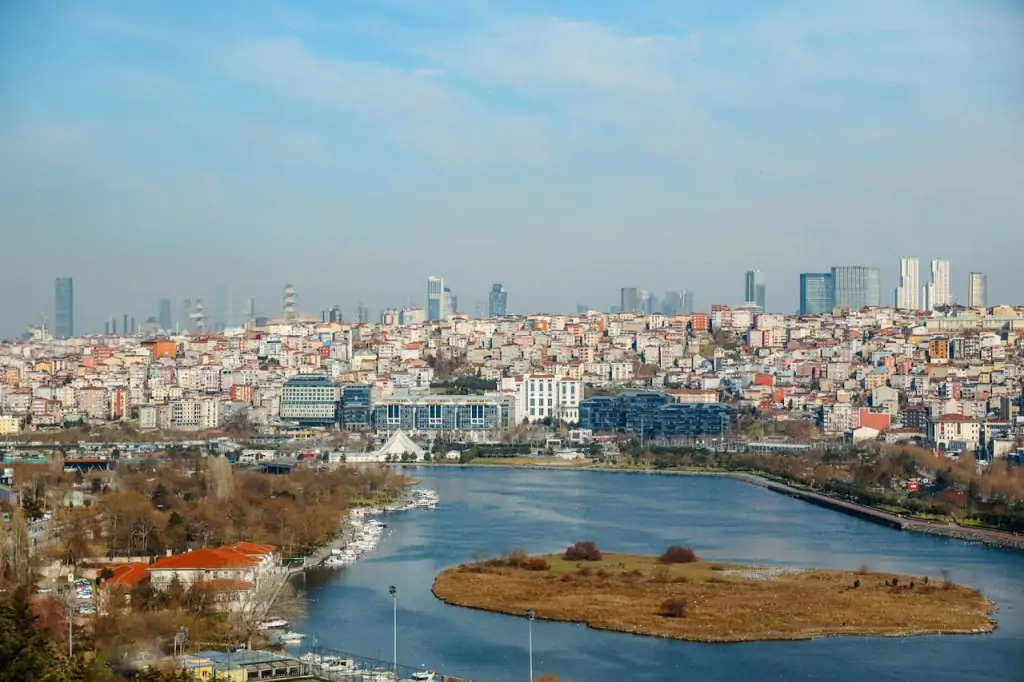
(491, 510)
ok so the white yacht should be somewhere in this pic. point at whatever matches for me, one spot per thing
(423, 676)
(292, 636)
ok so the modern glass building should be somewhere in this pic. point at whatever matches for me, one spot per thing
(754, 288)
(817, 293)
(497, 301)
(651, 413)
(601, 413)
(444, 413)
(64, 319)
(435, 298)
(311, 400)
(163, 314)
(856, 286)
(356, 407)
(629, 298)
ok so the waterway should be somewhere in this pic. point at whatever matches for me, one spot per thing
(484, 510)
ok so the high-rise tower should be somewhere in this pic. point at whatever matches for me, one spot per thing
(754, 289)
(64, 317)
(977, 290)
(435, 298)
(906, 292)
(497, 301)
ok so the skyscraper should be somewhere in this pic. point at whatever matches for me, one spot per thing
(977, 290)
(64, 317)
(163, 314)
(629, 300)
(672, 303)
(937, 292)
(497, 301)
(687, 303)
(906, 292)
(449, 302)
(817, 293)
(221, 308)
(435, 298)
(755, 288)
(856, 286)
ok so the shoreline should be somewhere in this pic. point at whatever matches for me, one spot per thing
(996, 539)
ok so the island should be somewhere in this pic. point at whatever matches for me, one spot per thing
(679, 596)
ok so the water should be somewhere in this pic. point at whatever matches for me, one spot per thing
(491, 510)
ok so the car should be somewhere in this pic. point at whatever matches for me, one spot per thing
(44, 590)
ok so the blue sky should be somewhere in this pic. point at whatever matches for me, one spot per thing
(566, 149)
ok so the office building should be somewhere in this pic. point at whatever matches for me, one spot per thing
(450, 302)
(687, 303)
(546, 396)
(356, 407)
(629, 298)
(497, 302)
(435, 298)
(937, 293)
(672, 303)
(64, 319)
(754, 291)
(163, 314)
(856, 286)
(977, 290)
(311, 400)
(653, 414)
(433, 413)
(817, 293)
(249, 309)
(906, 292)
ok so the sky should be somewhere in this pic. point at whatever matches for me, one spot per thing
(565, 149)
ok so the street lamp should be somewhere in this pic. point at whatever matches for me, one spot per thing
(393, 591)
(529, 620)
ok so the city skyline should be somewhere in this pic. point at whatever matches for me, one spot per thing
(307, 144)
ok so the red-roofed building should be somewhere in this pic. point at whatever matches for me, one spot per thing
(240, 562)
(126, 576)
(954, 427)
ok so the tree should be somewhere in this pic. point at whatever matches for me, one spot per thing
(221, 477)
(583, 551)
(678, 555)
(26, 652)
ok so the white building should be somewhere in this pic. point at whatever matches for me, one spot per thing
(906, 292)
(543, 396)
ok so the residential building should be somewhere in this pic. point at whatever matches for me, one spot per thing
(435, 298)
(9, 424)
(546, 396)
(856, 286)
(948, 429)
(64, 318)
(937, 293)
(754, 290)
(977, 290)
(311, 400)
(497, 301)
(817, 293)
(907, 291)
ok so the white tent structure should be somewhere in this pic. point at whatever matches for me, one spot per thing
(399, 445)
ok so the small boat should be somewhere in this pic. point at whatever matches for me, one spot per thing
(292, 637)
(273, 623)
(423, 676)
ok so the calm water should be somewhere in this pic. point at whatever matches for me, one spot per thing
(725, 520)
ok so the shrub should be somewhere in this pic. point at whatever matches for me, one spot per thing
(535, 563)
(678, 555)
(583, 551)
(515, 557)
(661, 574)
(496, 562)
(586, 571)
(673, 608)
(863, 570)
(856, 583)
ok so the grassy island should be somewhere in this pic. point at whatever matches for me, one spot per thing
(681, 597)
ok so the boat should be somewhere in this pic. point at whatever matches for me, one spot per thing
(292, 636)
(423, 676)
(273, 623)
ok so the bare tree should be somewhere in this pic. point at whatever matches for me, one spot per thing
(221, 477)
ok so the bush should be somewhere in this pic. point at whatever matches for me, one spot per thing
(678, 555)
(515, 557)
(673, 608)
(535, 563)
(583, 551)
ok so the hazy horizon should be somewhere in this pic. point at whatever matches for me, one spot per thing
(155, 150)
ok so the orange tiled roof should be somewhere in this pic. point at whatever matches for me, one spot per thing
(205, 559)
(127, 575)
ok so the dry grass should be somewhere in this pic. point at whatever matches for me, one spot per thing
(740, 603)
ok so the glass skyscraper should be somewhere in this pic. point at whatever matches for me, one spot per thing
(163, 315)
(435, 298)
(856, 286)
(817, 293)
(64, 319)
(754, 289)
(497, 301)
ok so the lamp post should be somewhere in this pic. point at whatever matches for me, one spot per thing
(393, 591)
(529, 620)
